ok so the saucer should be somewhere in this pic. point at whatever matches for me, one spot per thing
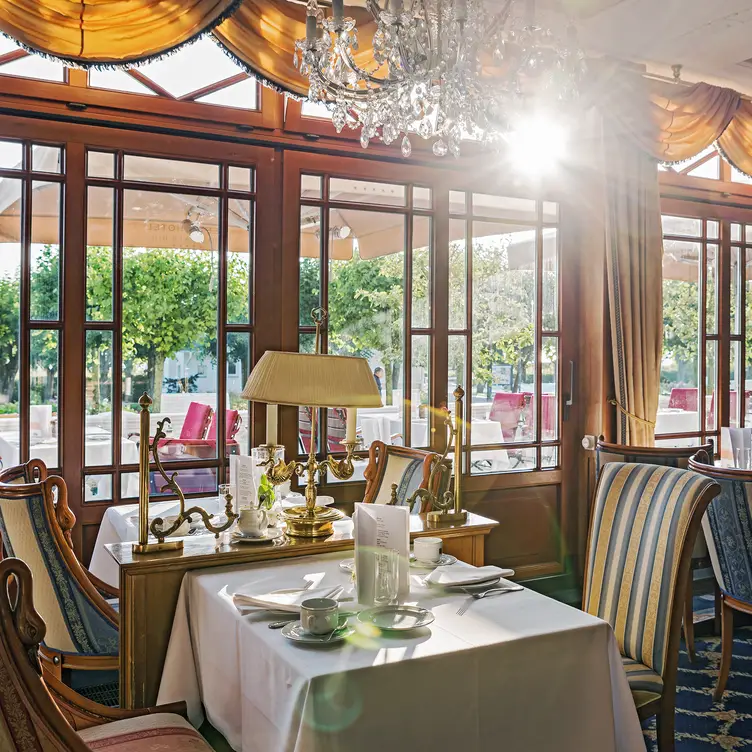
(294, 631)
(444, 561)
(272, 533)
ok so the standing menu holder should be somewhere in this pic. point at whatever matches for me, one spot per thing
(380, 526)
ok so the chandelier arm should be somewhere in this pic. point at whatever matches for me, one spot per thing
(356, 93)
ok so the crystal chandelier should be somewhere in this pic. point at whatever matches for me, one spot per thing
(445, 70)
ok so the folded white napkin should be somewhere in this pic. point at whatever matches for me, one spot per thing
(283, 600)
(464, 575)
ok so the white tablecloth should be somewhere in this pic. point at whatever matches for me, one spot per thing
(678, 421)
(518, 672)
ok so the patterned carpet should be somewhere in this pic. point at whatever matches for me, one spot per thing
(702, 724)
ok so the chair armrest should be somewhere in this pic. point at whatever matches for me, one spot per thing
(83, 713)
(105, 590)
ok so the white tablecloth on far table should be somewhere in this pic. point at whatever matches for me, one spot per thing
(518, 672)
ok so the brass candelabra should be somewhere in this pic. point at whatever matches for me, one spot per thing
(157, 527)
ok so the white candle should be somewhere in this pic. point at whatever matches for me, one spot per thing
(352, 417)
(271, 424)
(311, 28)
(338, 9)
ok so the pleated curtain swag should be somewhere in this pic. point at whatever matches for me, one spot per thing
(88, 33)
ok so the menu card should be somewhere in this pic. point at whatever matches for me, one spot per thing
(382, 526)
(243, 487)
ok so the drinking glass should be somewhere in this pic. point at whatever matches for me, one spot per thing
(259, 455)
(386, 577)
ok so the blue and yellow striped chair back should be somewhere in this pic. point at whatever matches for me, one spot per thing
(727, 526)
(638, 532)
(30, 532)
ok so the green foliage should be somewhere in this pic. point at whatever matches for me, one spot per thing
(9, 301)
(681, 318)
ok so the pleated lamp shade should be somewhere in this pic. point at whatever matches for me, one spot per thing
(286, 378)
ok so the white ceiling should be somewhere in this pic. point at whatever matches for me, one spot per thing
(708, 37)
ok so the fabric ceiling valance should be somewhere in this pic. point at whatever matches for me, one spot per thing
(91, 32)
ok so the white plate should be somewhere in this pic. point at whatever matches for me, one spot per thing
(444, 561)
(396, 618)
(294, 631)
(272, 533)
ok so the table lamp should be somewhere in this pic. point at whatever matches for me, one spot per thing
(314, 380)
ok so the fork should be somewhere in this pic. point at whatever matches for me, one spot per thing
(478, 596)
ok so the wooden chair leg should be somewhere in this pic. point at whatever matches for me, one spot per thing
(727, 645)
(717, 603)
(665, 731)
(689, 625)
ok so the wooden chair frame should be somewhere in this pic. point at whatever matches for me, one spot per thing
(664, 707)
(55, 710)
(664, 453)
(54, 662)
(378, 456)
(725, 604)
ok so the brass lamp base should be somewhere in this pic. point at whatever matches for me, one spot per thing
(315, 523)
(154, 548)
(435, 519)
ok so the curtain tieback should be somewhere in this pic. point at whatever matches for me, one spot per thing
(631, 415)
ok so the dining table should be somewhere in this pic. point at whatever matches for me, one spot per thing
(515, 671)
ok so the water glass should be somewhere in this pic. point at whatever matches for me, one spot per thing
(744, 458)
(386, 577)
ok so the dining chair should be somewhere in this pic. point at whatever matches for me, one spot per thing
(506, 409)
(37, 712)
(644, 521)
(727, 527)
(407, 469)
(194, 428)
(669, 457)
(82, 643)
(683, 398)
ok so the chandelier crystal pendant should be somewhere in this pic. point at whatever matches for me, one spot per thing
(445, 70)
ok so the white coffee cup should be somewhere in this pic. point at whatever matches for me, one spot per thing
(427, 549)
(319, 615)
(252, 522)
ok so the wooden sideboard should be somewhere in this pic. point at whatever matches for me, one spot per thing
(150, 585)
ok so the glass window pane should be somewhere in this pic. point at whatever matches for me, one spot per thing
(239, 261)
(688, 226)
(46, 158)
(129, 485)
(711, 283)
(739, 177)
(550, 211)
(735, 378)
(98, 440)
(240, 178)
(169, 330)
(736, 232)
(117, 80)
(306, 342)
(98, 487)
(237, 423)
(735, 290)
(678, 402)
(34, 66)
(457, 202)
(100, 164)
(457, 365)
(504, 294)
(712, 230)
(485, 461)
(366, 304)
(550, 279)
(10, 294)
(100, 233)
(709, 169)
(310, 186)
(11, 155)
(243, 95)
(549, 456)
(549, 389)
(746, 367)
(310, 262)
(504, 207)
(421, 273)
(457, 274)
(44, 414)
(711, 379)
(367, 192)
(421, 198)
(748, 233)
(170, 171)
(420, 398)
(45, 251)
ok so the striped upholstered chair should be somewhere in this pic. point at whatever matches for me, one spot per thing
(408, 469)
(644, 522)
(670, 457)
(82, 643)
(727, 526)
(44, 715)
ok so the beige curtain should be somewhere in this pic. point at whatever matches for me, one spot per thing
(88, 32)
(634, 254)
